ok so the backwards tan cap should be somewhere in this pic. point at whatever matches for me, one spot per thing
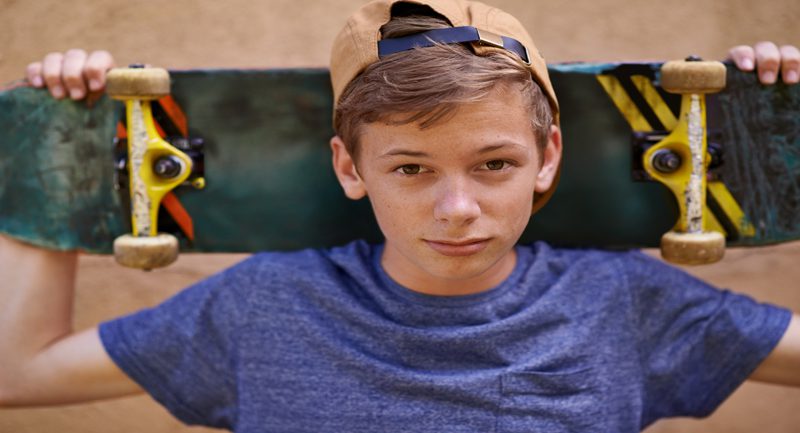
(356, 46)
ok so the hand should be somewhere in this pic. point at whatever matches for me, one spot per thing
(768, 59)
(71, 73)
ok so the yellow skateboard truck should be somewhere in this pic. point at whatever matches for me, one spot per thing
(680, 161)
(155, 167)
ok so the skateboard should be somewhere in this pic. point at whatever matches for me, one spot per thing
(261, 176)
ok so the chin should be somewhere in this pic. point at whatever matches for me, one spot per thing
(464, 267)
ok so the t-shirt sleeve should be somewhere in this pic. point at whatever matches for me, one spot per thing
(182, 352)
(696, 343)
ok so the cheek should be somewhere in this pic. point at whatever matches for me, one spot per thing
(517, 212)
(514, 199)
(395, 211)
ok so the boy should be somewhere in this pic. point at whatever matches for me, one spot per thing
(447, 326)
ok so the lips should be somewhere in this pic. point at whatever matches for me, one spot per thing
(456, 248)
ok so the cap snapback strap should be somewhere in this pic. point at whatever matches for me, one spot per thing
(452, 35)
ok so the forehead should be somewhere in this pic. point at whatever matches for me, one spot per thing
(501, 117)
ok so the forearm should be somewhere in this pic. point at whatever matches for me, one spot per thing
(36, 299)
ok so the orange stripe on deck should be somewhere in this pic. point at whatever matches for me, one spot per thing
(160, 131)
(121, 131)
(179, 214)
(175, 113)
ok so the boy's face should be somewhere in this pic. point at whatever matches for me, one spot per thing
(452, 199)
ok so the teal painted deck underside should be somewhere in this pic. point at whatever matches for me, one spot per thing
(270, 185)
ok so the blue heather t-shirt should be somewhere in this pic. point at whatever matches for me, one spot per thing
(324, 341)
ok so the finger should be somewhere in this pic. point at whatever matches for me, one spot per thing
(72, 73)
(790, 64)
(51, 72)
(743, 56)
(98, 63)
(768, 61)
(34, 74)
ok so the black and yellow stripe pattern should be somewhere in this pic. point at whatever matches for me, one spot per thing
(646, 109)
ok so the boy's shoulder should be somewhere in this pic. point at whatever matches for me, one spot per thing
(274, 273)
(589, 260)
(310, 262)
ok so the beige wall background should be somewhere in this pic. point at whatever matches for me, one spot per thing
(272, 33)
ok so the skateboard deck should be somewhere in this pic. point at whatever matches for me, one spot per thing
(269, 184)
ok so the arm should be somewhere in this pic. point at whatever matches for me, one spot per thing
(782, 366)
(43, 361)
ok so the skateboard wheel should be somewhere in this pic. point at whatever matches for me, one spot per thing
(146, 252)
(693, 77)
(137, 83)
(692, 248)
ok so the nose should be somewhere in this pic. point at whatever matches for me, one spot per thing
(456, 203)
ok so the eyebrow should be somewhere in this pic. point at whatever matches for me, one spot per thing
(493, 147)
(486, 149)
(404, 152)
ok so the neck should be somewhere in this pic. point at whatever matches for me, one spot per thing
(408, 275)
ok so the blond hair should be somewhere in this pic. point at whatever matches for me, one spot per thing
(426, 85)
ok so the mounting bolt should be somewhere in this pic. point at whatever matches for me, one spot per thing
(715, 152)
(168, 167)
(666, 161)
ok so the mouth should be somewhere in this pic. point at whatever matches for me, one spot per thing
(457, 248)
